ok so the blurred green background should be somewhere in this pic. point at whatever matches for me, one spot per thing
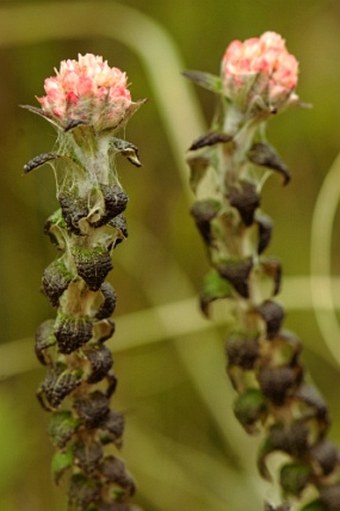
(182, 442)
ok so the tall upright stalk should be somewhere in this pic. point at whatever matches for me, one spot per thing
(228, 168)
(87, 102)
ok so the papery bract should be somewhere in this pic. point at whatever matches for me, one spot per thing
(259, 73)
(87, 90)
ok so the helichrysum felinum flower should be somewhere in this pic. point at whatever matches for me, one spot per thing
(87, 90)
(260, 73)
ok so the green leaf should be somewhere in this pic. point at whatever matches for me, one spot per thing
(249, 408)
(214, 288)
(61, 461)
(265, 449)
(61, 428)
(40, 112)
(294, 477)
(290, 438)
(315, 505)
(198, 168)
(205, 80)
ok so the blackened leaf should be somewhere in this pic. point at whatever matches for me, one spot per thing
(55, 280)
(291, 439)
(277, 382)
(39, 160)
(206, 80)
(100, 359)
(120, 225)
(325, 454)
(113, 469)
(113, 428)
(88, 455)
(209, 139)
(287, 348)
(112, 382)
(242, 350)
(237, 272)
(265, 155)
(127, 149)
(61, 428)
(110, 299)
(73, 124)
(58, 383)
(93, 265)
(204, 212)
(273, 314)
(294, 477)
(72, 332)
(265, 226)
(115, 201)
(44, 339)
(272, 267)
(313, 399)
(104, 330)
(61, 461)
(246, 200)
(249, 408)
(74, 209)
(93, 410)
(83, 492)
(214, 287)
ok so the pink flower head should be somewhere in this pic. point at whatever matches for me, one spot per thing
(260, 70)
(87, 90)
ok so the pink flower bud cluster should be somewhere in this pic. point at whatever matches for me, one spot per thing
(87, 90)
(260, 70)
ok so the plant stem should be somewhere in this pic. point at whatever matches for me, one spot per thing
(263, 360)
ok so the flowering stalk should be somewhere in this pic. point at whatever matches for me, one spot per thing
(228, 168)
(87, 102)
